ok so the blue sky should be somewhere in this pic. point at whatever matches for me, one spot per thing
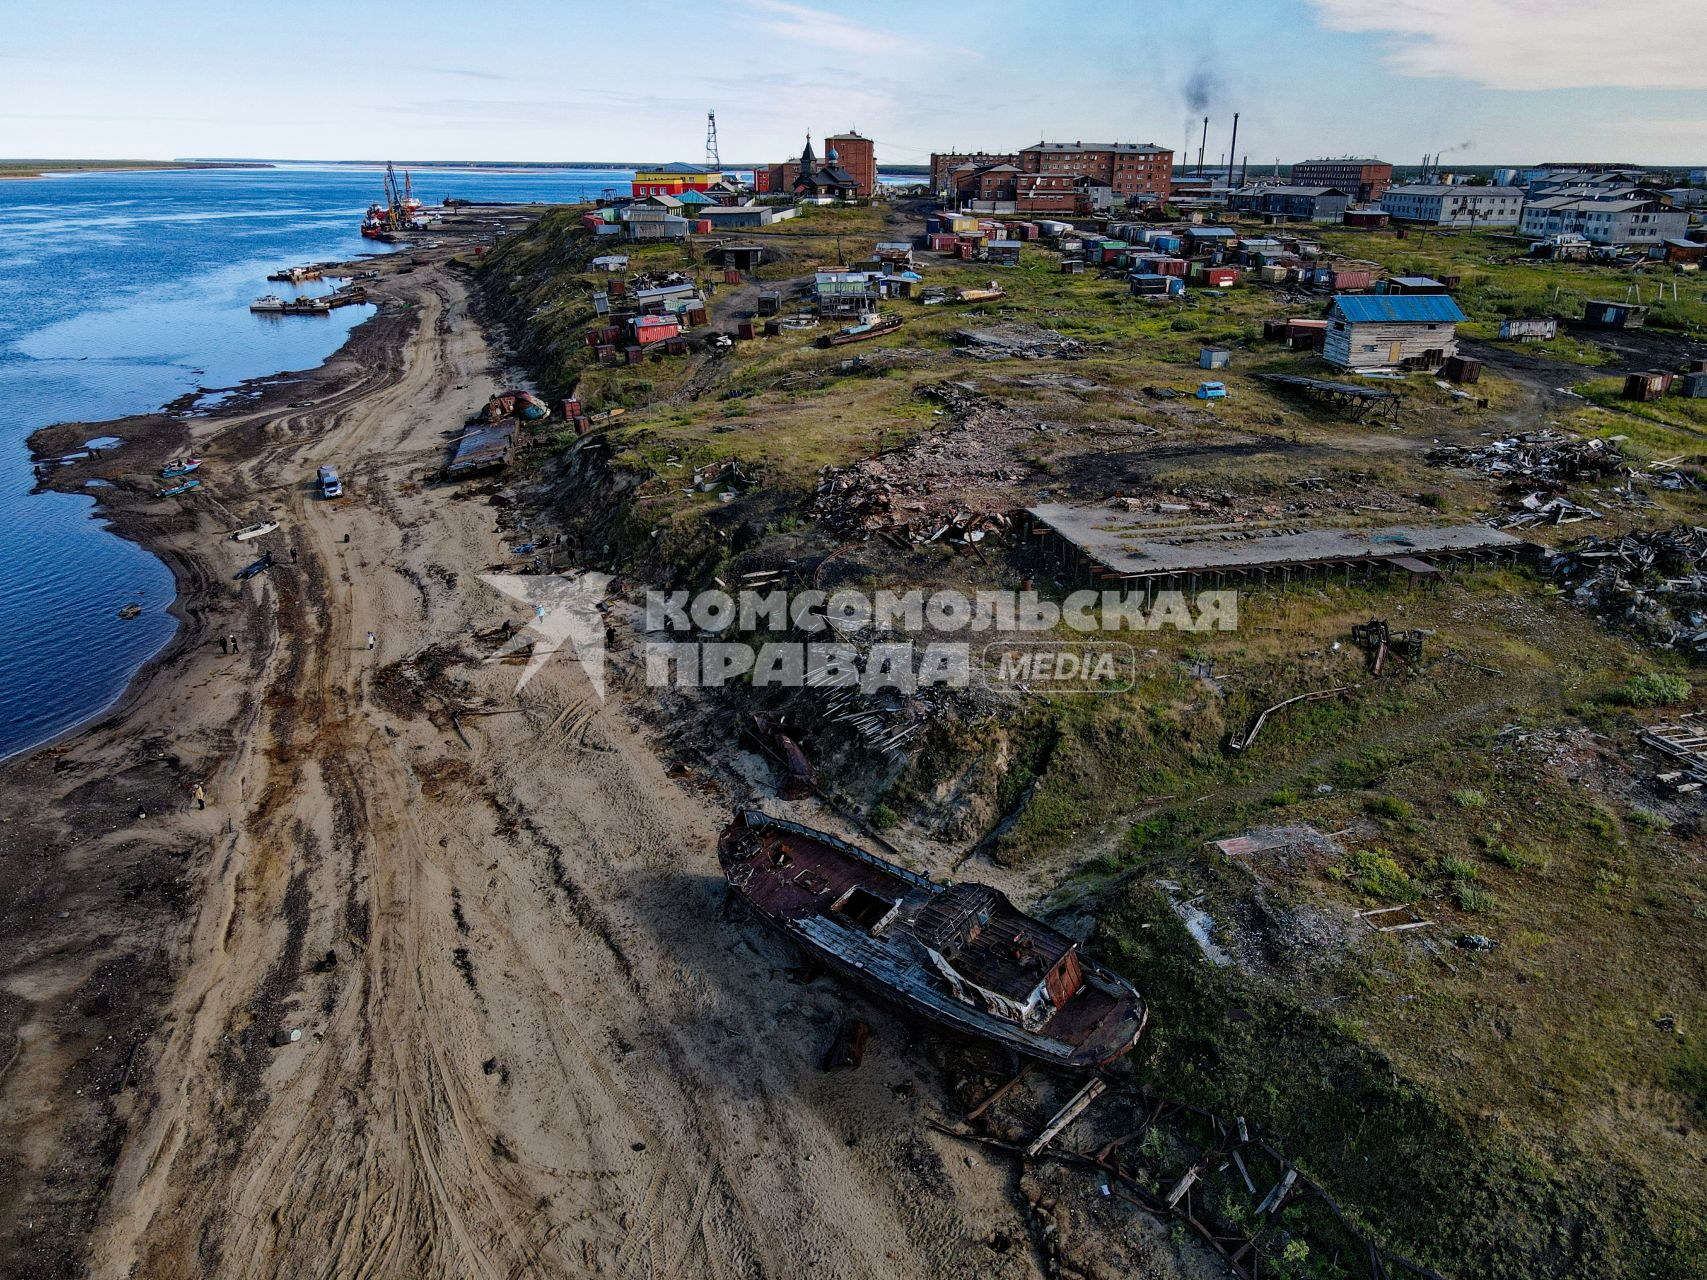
(1488, 81)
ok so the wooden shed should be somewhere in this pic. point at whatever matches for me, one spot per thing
(1372, 331)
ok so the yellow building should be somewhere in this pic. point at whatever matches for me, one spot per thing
(673, 179)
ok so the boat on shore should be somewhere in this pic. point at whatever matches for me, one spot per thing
(176, 489)
(180, 467)
(259, 529)
(870, 327)
(959, 955)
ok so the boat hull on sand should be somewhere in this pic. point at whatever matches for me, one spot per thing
(959, 956)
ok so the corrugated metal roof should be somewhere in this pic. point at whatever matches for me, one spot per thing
(1421, 308)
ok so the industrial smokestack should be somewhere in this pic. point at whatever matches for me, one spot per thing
(1201, 145)
(1232, 149)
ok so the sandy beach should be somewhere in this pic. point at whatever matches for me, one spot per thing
(412, 996)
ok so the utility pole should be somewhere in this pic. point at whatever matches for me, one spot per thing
(712, 159)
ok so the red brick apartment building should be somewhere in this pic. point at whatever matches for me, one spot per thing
(945, 162)
(855, 153)
(1365, 181)
(1132, 169)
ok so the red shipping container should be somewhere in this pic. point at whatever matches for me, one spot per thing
(731, 276)
(635, 355)
(571, 408)
(702, 226)
(649, 329)
(744, 329)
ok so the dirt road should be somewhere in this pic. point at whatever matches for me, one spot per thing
(531, 1043)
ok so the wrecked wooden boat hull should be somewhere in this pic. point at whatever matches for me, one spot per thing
(959, 956)
(859, 333)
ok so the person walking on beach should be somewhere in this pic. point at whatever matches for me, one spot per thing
(234, 644)
(200, 797)
(225, 644)
(370, 639)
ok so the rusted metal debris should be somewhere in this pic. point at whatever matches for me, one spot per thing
(1230, 1146)
(1652, 581)
(1379, 640)
(848, 1051)
(1536, 458)
(771, 735)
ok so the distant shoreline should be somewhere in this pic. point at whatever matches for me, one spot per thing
(41, 168)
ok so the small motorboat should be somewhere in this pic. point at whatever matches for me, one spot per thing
(177, 489)
(250, 570)
(130, 611)
(259, 529)
(270, 302)
(179, 467)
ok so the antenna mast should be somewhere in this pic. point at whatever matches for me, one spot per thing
(712, 159)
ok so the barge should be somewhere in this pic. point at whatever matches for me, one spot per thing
(959, 955)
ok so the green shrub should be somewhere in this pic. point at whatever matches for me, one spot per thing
(1652, 689)
(1455, 868)
(1388, 807)
(1506, 856)
(883, 817)
(1648, 818)
(1470, 897)
(1375, 872)
(1285, 796)
(1470, 798)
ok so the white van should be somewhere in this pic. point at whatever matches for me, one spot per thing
(330, 485)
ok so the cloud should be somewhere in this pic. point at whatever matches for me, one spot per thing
(1537, 44)
(814, 26)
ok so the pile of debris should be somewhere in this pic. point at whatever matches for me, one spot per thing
(1018, 342)
(1651, 581)
(956, 483)
(1536, 459)
(1537, 508)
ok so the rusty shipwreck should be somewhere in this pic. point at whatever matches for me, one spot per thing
(958, 955)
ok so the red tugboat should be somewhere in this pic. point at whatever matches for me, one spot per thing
(400, 212)
(961, 956)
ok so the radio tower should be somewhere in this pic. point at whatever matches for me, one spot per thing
(712, 159)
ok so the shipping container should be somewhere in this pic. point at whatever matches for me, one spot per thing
(1695, 386)
(1214, 358)
(1646, 386)
(1344, 280)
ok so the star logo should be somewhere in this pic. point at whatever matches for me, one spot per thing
(565, 608)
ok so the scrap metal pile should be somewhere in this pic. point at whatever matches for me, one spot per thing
(1539, 465)
(1651, 581)
(953, 484)
(1547, 460)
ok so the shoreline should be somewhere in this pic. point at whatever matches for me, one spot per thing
(123, 951)
(59, 168)
(260, 394)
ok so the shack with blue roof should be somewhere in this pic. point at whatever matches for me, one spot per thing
(1392, 331)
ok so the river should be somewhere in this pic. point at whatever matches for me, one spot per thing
(120, 293)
